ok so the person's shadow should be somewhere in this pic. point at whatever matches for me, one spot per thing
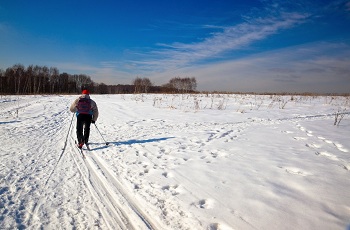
(7, 122)
(129, 142)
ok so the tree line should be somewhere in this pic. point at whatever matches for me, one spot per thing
(47, 80)
(175, 85)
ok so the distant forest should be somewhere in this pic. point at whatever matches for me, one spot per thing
(47, 80)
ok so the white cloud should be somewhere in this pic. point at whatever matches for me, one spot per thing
(321, 68)
(216, 45)
(317, 67)
(106, 72)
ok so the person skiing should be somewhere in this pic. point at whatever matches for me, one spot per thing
(87, 113)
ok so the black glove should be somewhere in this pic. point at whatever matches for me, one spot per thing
(92, 121)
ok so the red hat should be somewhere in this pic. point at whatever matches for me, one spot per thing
(85, 91)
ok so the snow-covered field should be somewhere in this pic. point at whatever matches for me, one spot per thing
(177, 162)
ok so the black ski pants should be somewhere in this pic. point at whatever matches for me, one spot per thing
(83, 124)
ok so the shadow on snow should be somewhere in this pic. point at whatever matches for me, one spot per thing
(131, 142)
(7, 122)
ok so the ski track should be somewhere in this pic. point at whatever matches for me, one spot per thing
(141, 182)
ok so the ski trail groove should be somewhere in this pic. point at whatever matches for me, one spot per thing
(32, 170)
(63, 150)
(120, 191)
(110, 202)
(109, 205)
(109, 211)
(87, 181)
(41, 191)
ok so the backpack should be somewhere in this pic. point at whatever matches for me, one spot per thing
(84, 106)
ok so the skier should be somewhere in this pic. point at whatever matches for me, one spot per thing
(87, 113)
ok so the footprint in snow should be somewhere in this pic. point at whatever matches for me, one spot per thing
(300, 138)
(214, 226)
(309, 133)
(204, 204)
(171, 189)
(340, 147)
(328, 155)
(218, 226)
(167, 175)
(137, 187)
(201, 204)
(315, 146)
(296, 171)
(166, 187)
(288, 132)
(328, 141)
(145, 171)
(346, 166)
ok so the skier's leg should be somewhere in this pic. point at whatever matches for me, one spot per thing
(87, 124)
(80, 124)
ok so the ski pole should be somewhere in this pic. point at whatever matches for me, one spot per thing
(107, 143)
(65, 142)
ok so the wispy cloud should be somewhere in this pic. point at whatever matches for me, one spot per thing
(316, 67)
(217, 44)
(106, 72)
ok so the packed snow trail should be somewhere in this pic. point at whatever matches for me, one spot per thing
(44, 155)
(176, 162)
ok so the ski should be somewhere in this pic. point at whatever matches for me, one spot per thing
(80, 150)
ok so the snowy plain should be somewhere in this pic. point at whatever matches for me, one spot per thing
(203, 161)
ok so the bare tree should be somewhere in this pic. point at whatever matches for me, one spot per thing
(183, 85)
(102, 88)
(9, 82)
(2, 81)
(146, 84)
(54, 78)
(63, 83)
(82, 81)
(137, 82)
(41, 79)
(18, 74)
(142, 85)
(193, 83)
(27, 88)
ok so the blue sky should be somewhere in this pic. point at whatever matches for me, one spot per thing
(246, 46)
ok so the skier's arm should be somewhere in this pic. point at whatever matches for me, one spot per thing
(94, 110)
(73, 107)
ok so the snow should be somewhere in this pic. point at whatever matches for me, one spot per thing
(204, 161)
